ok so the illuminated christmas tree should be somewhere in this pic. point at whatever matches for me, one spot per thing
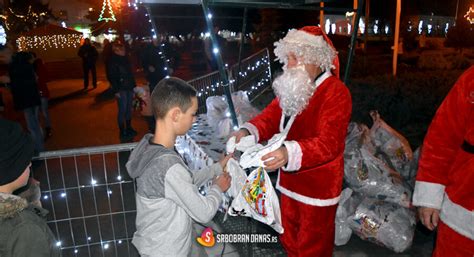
(107, 7)
(470, 15)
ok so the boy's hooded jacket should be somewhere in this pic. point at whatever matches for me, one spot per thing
(168, 199)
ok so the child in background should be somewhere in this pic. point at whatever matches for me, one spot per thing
(168, 200)
(24, 231)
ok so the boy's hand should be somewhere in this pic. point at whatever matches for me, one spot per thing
(223, 161)
(223, 181)
(240, 134)
(429, 217)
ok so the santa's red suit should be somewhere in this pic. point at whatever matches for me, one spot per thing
(445, 178)
(311, 181)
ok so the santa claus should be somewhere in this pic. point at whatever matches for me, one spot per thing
(312, 109)
(444, 189)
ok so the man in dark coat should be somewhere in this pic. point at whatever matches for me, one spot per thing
(26, 96)
(89, 55)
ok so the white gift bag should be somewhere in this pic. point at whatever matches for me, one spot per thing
(257, 199)
(238, 176)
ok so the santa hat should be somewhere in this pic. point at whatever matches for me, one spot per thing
(311, 43)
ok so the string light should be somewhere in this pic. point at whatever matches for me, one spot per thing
(105, 4)
(251, 70)
(470, 15)
(46, 42)
(30, 16)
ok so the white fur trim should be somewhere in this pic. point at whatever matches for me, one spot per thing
(301, 37)
(458, 218)
(306, 199)
(428, 194)
(295, 155)
(312, 49)
(252, 129)
(322, 78)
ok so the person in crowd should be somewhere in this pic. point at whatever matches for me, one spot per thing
(209, 49)
(88, 54)
(106, 53)
(168, 200)
(444, 189)
(24, 230)
(312, 109)
(122, 81)
(153, 63)
(26, 96)
(42, 81)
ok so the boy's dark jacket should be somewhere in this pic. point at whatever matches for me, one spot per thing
(24, 232)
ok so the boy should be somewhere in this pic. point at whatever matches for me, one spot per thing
(23, 229)
(167, 191)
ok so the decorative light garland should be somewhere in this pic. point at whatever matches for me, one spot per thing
(111, 12)
(27, 17)
(25, 43)
(246, 71)
(3, 35)
(470, 15)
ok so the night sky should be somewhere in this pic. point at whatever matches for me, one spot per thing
(186, 18)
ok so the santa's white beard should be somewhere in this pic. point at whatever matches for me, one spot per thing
(293, 88)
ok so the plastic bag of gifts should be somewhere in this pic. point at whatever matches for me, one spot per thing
(238, 177)
(257, 199)
(347, 206)
(383, 223)
(366, 174)
(357, 137)
(218, 112)
(390, 145)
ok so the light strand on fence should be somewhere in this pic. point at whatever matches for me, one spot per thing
(243, 74)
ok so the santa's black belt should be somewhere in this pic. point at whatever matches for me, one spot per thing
(467, 147)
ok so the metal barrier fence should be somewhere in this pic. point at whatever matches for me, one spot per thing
(91, 198)
(253, 76)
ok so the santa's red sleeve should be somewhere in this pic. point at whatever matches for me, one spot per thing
(267, 123)
(441, 145)
(329, 140)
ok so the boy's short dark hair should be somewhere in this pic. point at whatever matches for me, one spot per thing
(169, 93)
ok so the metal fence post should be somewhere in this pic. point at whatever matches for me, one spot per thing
(216, 51)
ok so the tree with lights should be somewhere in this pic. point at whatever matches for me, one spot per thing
(107, 9)
(24, 15)
(129, 20)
